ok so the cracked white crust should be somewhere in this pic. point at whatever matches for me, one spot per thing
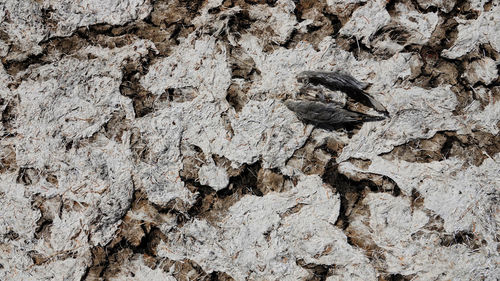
(62, 107)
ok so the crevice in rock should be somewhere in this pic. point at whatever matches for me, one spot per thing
(311, 159)
(28, 176)
(318, 272)
(136, 236)
(243, 73)
(474, 148)
(210, 205)
(353, 191)
(396, 277)
(461, 237)
(13, 67)
(8, 159)
(143, 101)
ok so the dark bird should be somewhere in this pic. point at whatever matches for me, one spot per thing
(337, 81)
(327, 116)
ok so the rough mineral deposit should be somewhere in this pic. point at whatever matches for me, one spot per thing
(149, 140)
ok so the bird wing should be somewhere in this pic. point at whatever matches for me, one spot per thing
(327, 114)
(337, 81)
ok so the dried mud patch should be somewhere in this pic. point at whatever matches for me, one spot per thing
(474, 148)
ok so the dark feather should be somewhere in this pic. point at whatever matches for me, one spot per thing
(337, 81)
(327, 115)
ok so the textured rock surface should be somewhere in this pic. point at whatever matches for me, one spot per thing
(148, 139)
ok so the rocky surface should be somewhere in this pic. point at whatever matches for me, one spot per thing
(148, 139)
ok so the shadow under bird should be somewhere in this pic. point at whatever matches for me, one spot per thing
(331, 115)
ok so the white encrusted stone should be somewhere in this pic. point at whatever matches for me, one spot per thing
(484, 70)
(213, 176)
(366, 20)
(263, 237)
(471, 33)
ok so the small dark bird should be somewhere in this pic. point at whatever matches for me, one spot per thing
(337, 81)
(328, 116)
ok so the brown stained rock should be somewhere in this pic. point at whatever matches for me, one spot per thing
(132, 231)
(66, 45)
(28, 176)
(166, 13)
(99, 257)
(343, 10)
(422, 151)
(8, 114)
(334, 146)
(310, 159)
(222, 161)
(140, 147)
(444, 73)
(359, 232)
(212, 205)
(136, 235)
(320, 27)
(38, 258)
(236, 95)
(474, 148)
(193, 158)
(269, 181)
(115, 261)
(241, 63)
(179, 94)
(162, 37)
(143, 101)
(7, 158)
(116, 126)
